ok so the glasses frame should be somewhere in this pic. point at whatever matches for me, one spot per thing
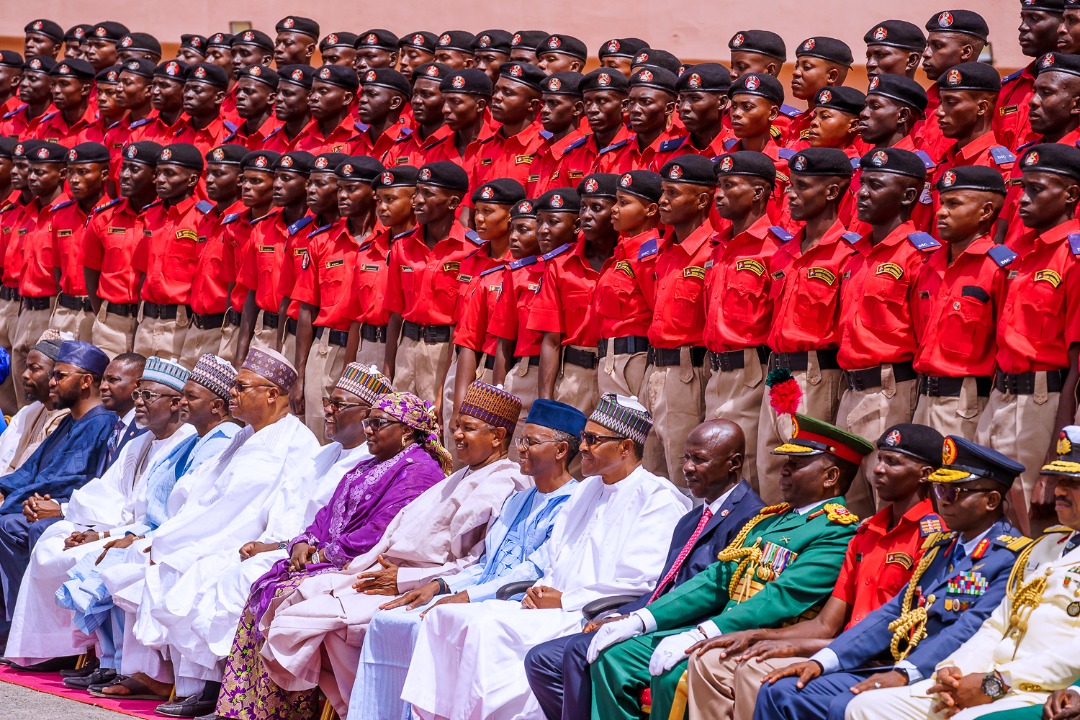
(149, 396)
(598, 439)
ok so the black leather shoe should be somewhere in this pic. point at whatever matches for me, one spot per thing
(91, 665)
(100, 676)
(51, 665)
(191, 707)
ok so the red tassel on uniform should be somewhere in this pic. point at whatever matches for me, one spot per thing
(784, 391)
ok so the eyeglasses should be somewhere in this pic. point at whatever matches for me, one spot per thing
(526, 443)
(341, 405)
(59, 375)
(377, 424)
(951, 493)
(242, 388)
(591, 438)
(148, 396)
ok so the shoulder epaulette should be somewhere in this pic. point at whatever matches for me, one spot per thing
(49, 116)
(670, 145)
(730, 143)
(557, 251)
(228, 138)
(855, 162)
(472, 237)
(497, 268)
(361, 126)
(1009, 78)
(275, 131)
(938, 539)
(926, 159)
(1001, 255)
(790, 111)
(923, 241)
(1016, 543)
(785, 153)
(106, 206)
(1025, 146)
(780, 233)
(153, 204)
(404, 136)
(1058, 529)
(614, 146)
(62, 205)
(576, 144)
(140, 123)
(14, 112)
(546, 134)
(1002, 156)
(300, 224)
(320, 229)
(852, 237)
(230, 126)
(648, 248)
(930, 524)
(204, 206)
(1074, 243)
(403, 234)
(230, 218)
(523, 262)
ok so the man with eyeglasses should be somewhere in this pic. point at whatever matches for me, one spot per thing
(36, 420)
(959, 581)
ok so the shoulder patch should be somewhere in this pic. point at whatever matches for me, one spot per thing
(140, 123)
(923, 241)
(790, 111)
(855, 162)
(319, 230)
(557, 251)
(785, 153)
(472, 237)
(546, 134)
(204, 206)
(852, 237)
(1001, 155)
(275, 131)
(926, 160)
(49, 116)
(1001, 255)
(300, 224)
(671, 145)
(576, 144)
(930, 524)
(497, 268)
(60, 206)
(230, 126)
(1074, 243)
(361, 126)
(14, 112)
(781, 233)
(1010, 78)
(1025, 146)
(730, 143)
(1016, 543)
(837, 513)
(523, 262)
(106, 206)
(230, 218)
(404, 135)
(648, 248)
(614, 146)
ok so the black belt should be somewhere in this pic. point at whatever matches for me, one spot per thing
(271, 320)
(208, 322)
(665, 357)
(1024, 383)
(624, 345)
(38, 303)
(941, 386)
(9, 293)
(290, 326)
(337, 337)
(582, 358)
(123, 309)
(431, 334)
(534, 360)
(232, 317)
(870, 378)
(159, 312)
(74, 302)
(735, 359)
(800, 361)
(373, 333)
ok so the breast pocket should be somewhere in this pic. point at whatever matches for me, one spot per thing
(966, 323)
(612, 301)
(447, 289)
(688, 305)
(182, 257)
(747, 291)
(885, 303)
(815, 305)
(1040, 309)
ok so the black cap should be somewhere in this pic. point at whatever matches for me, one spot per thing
(219, 40)
(23, 148)
(973, 177)
(48, 28)
(759, 84)
(503, 191)
(654, 77)
(262, 160)
(443, 174)
(971, 76)
(386, 40)
(622, 47)
(195, 43)
(297, 24)
(172, 69)
(840, 97)
(1058, 62)
(963, 460)
(182, 154)
(821, 161)
(10, 58)
(523, 209)
(143, 152)
(564, 200)
(301, 75)
(898, 34)
(529, 39)
(88, 152)
(48, 152)
(342, 39)
(143, 42)
(689, 170)
(654, 57)
(705, 77)
(77, 33)
(359, 168)
(826, 48)
(339, 75)
(892, 160)
(469, 81)
(459, 40)
(385, 77)
(432, 71)
(967, 22)
(108, 30)
(495, 40)
(1050, 6)
(297, 161)
(565, 45)
(7, 147)
(598, 185)
(563, 83)
(261, 73)
(209, 74)
(749, 163)
(900, 88)
(328, 162)
(139, 66)
(644, 184)
(398, 176)
(1052, 158)
(760, 42)
(525, 73)
(109, 76)
(253, 37)
(605, 79)
(39, 63)
(75, 68)
(228, 154)
(422, 40)
(918, 441)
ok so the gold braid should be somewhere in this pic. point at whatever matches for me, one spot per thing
(1023, 598)
(911, 625)
(747, 555)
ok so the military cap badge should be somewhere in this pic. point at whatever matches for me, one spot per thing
(425, 174)
(676, 171)
(725, 165)
(945, 19)
(880, 33)
(166, 154)
(948, 179)
(738, 40)
(626, 180)
(487, 193)
(879, 158)
(321, 163)
(458, 82)
(288, 23)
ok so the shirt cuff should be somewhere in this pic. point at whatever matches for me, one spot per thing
(909, 669)
(710, 629)
(646, 618)
(827, 659)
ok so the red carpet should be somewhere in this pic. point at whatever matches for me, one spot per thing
(50, 683)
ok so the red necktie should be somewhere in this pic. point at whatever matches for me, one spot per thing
(670, 577)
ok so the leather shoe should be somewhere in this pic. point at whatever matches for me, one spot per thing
(100, 676)
(190, 707)
(50, 665)
(90, 666)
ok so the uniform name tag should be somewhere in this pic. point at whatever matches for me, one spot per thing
(890, 268)
(1049, 276)
(1008, 110)
(22, 231)
(750, 264)
(200, 239)
(187, 235)
(694, 271)
(462, 277)
(369, 268)
(523, 159)
(452, 266)
(63, 233)
(823, 274)
(576, 174)
(624, 266)
(266, 248)
(486, 161)
(297, 252)
(401, 160)
(117, 231)
(406, 268)
(334, 263)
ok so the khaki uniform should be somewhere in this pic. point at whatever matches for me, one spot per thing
(114, 334)
(29, 328)
(736, 395)
(577, 386)
(622, 374)
(198, 342)
(419, 365)
(162, 337)
(675, 397)
(11, 392)
(952, 415)
(721, 689)
(325, 363)
(79, 323)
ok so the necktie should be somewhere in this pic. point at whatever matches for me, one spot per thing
(958, 554)
(677, 565)
(114, 439)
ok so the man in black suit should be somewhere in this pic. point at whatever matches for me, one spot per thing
(558, 671)
(120, 380)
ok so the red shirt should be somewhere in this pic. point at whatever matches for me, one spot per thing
(38, 278)
(296, 244)
(566, 291)
(169, 250)
(123, 133)
(1016, 229)
(24, 225)
(679, 298)
(632, 156)
(796, 137)
(53, 128)
(18, 124)
(929, 131)
(326, 276)
(277, 140)
(588, 158)
(380, 149)
(413, 150)
(848, 210)
(312, 140)
(371, 275)
(521, 284)
(878, 293)
(11, 217)
(983, 151)
(206, 138)
(516, 157)
(254, 140)
(477, 306)
(112, 235)
(622, 302)
(547, 165)
(161, 133)
(684, 146)
(1011, 124)
(68, 228)
(210, 285)
(259, 252)
(1041, 315)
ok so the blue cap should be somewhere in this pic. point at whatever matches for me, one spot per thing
(963, 460)
(557, 416)
(83, 355)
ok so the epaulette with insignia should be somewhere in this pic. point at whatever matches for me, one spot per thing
(14, 112)
(557, 251)
(275, 131)
(852, 237)
(837, 513)
(320, 229)
(775, 132)
(576, 144)
(228, 138)
(230, 126)
(671, 145)
(1009, 78)
(230, 218)
(61, 206)
(790, 111)
(547, 135)
(938, 539)
(930, 524)
(926, 159)
(107, 205)
(1001, 255)
(923, 241)
(1016, 543)
(785, 153)
(1025, 146)
(730, 143)
(1002, 156)
(300, 224)
(204, 206)
(472, 237)
(153, 204)
(48, 116)
(497, 268)
(855, 162)
(523, 262)
(1058, 529)
(648, 248)
(782, 234)
(1074, 243)
(403, 234)
(614, 146)
(404, 135)
(139, 123)
(361, 127)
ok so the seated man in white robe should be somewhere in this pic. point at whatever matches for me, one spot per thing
(611, 540)
(546, 445)
(29, 427)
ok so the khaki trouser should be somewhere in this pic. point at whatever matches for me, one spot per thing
(161, 337)
(736, 396)
(721, 689)
(199, 342)
(288, 345)
(79, 323)
(621, 374)
(867, 413)
(449, 406)
(820, 397)
(325, 364)
(675, 397)
(522, 382)
(952, 415)
(371, 352)
(577, 386)
(11, 391)
(419, 366)
(114, 334)
(227, 345)
(1021, 427)
(31, 325)
(265, 336)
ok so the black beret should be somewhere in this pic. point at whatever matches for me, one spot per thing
(898, 34)
(48, 28)
(760, 42)
(143, 152)
(654, 77)
(219, 40)
(657, 58)
(826, 48)
(432, 71)
(705, 77)
(261, 73)
(422, 40)
(563, 83)
(196, 43)
(525, 73)
(747, 162)
(399, 176)
(970, 76)
(900, 88)
(469, 81)
(919, 441)
(262, 160)
(564, 200)
(644, 184)
(41, 64)
(495, 40)
(343, 39)
(144, 42)
(73, 67)
(88, 152)
(328, 162)
(10, 58)
(892, 160)
(343, 77)
(622, 47)
(565, 45)
(967, 22)
(359, 168)
(443, 174)
(139, 66)
(253, 37)
(227, 154)
(297, 24)
(821, 161)
(7, 146)
(172, 69)
(689, 170)
(529, 39)
(1058, 62)
(385, 77)
(1050, 6)
(77, 33)
(296, 161)
(23, 148)
(109, 76)
(386, 40)
(459, 40)
(1052, 158)
(598, 185)
(840, 97)
(503, 191)
(605, 79)
(523, 209)
(759, 84)
(208, 73)
(301, 75)
(108, 30)
(182, 154)
(973, 177)
(962, 460)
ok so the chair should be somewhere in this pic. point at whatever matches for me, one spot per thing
(515, 588)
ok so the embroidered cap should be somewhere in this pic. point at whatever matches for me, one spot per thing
(469, 81)
(378, 38)
(273, 366)
(301, 75)
(821, 161)
(845, 99)
(623, 416)
(397, 176)
(563, 45)
(444, 174)
(705, 77)
(1054, 158)
(216, 374)
(644, 184)
(563, 83)
(49, 343)
(1068, 454)
(622, 48)
(973, 177)
(229, 154)
(46, 27)
(748, 162)
(656, 58)
(343, 39)
(557, 416)
(194, 43)
(898, 34)
(967, 22)
(601, 185)
(182, 154)
(491, 404)
(364, 381)
(826, 48)
(262, 160)
(810, 436)
(297, 24)
(88, 152)
(893, 160)
(963, 460)
(759, 42)
(759, 84)
(559, 200)
(166, 372)
(501, 191)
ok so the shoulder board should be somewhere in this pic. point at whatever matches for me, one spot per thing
(404, 135)
(576, 144)
(923, 241)
(1010, 78)
(275, 131)
(230, 218)
(318, 230)
(852, 237)
(228, 138)
(230, 126)
(1016, 543)
(1074, 243)
(59, 206)
(403, 234)
(614, 146)
(49, 116)
(472, 237)
(140, 123)
(1025, 146)
(300, 224)
(648, 248)
(153, 204)
(670, 145)
(926, 160)
(1001, 255)
(938, 539)
(930, 524)
(790, 111)
(497, 268)
(781, 233)
(14, 112)
(361, 126)
(785, 153)
(1001, 155)
(546, 135)
(106, 206)
(730, 143)
(557, 251)
(204, 206)
(855, 162)
(523, 262)
(1058, 529)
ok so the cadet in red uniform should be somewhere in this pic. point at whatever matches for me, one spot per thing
(757, 51)
(167, 99)
(75, 40)
(102, 44)
(377, 49)
(1038, 35)
(524, 43)
(138, 45)
(383, 96)
(415, 49)
(74, 120)
(35, 96)
(619, 53)
(295, 41)
(429, 130)
(819, 62)
(491, 48)
(836, 120)
(603, 93)
(290, 108)
(256, 90)
(514, 148)
(204, 91)
(192, 49)
(649, 107)
(16, 197)
(338, 48)
(674, 386)
(218, 51)
(133, 94)
(702, 106)
(562, 109)
(466, 96)
(878, 304)
(109, 112)
(1038, 331)
(755, 103)
(561, 53)
(115, 230)
(11, 64)
(333, 89)
(894, 47)
(168, 252)
(42, 37)
(806, 302)
(454, 48)
(251, 47)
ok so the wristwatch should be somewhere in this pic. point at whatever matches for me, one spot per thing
(993, 686)
(284, 544)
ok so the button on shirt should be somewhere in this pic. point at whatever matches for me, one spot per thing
(68, 229)
(509, 321)
(210, 283)
(169, 251)
(679, 305)
(369, 285)
(113, 234)
(259, 243)
(566, 292)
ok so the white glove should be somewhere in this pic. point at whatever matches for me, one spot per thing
(672, 650)
(614, 632)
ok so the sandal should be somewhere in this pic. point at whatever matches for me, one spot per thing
(137, 690)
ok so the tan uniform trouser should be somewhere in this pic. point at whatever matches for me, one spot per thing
(419, 366)
(114, 334)
(675, 397)
(577, 386)
(29, 328)
(160, 337)
(621, 374)
(199, 342)
(288, 344)
(522, 382)
(325, 364)
(736, 396)
(952, 415)
(79, 323)
(11, 391)
(371, 352)
(227, 346)
(721, 689)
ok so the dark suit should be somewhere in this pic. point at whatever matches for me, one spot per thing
(130, 432)
(558, 671)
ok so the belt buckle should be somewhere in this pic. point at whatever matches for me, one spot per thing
(933, 386)
(854, 381)
(724, 360)
(781, 361)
